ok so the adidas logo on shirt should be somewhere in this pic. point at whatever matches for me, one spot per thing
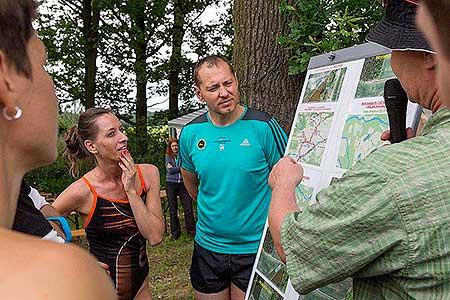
(245, 143)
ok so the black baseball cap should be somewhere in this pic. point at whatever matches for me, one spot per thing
(397, 30)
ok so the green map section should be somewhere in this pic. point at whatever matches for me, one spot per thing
(376, 71)
(361, 135)
(325, 86)
(303, 195)
(310, 136)
(271, 265)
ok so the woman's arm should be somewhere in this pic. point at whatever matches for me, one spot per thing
(148, 215)
(73, 198)
(171, 166)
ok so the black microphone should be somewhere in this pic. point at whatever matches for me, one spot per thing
(396, 102)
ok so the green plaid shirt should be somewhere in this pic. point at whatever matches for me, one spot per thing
(386, 223)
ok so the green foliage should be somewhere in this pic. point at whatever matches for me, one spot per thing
(66, 120)
(64, 44)
(321, 26)
(53, 178)
(155, 147)
(60, 25)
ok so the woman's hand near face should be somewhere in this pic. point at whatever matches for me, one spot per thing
(128, 172)
(148, 213)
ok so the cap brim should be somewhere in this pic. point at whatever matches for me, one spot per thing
(396, 37)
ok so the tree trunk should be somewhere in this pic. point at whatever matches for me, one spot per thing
(140, 69)
(261, 63)
(91, 19)
(178, 31)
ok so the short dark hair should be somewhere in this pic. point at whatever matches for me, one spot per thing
(209, 61)
(16, 29)
(440, 12)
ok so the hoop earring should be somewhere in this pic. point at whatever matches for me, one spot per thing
(17, 115)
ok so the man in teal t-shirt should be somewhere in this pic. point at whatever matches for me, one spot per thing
(226, 155)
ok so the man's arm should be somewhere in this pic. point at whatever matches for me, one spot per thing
(190, 181)
(184, 161)
(275, 142)
(354, 222)
(48, 211)
(283, 179)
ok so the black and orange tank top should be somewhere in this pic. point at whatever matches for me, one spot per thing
(114, 239)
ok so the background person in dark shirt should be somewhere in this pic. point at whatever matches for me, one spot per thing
(175, 187)
(31, 216)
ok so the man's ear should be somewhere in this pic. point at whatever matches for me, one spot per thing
(90, 146)
(430, 61)
(198, 93)
(6, 89)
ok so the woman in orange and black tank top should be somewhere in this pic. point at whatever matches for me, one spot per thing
(118, 201)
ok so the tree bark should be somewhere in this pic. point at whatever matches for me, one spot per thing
(140, 68)
(261, 63)
(178, 32)
(91, 19)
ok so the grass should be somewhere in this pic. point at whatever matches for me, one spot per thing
(169, 268)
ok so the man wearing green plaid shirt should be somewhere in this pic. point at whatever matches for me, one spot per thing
(386, 223)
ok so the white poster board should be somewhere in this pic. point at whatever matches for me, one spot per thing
(339, 120)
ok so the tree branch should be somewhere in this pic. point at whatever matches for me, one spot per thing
(157, 103)
(189, 24)
(156, 49)
(72, 5)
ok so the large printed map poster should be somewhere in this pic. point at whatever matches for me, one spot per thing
(338, 121)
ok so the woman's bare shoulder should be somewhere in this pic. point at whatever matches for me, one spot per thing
(49, 270)
(79, 189)
(148, 166)
(149, 169)
(76, 197)
(151, 176)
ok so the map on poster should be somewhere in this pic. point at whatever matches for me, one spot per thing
(310, 137)
(339, 120)
(303, 195)
(361, 135)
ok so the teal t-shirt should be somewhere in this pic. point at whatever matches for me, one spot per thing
(232, 164)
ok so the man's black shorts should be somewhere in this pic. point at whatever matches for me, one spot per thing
(213, 272)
